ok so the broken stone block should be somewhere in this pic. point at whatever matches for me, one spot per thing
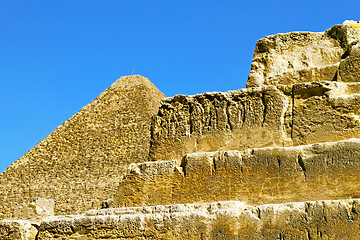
(349, 68)
(296, 57)
(325, 111)
(17, 230)
(35, 210)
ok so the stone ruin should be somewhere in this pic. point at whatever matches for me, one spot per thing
(277, 160)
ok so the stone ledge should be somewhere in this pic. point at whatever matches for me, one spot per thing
(267, 116)
(18, 230)
(257, 176)
(327, 219)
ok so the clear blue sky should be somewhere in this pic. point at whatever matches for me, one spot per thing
(57, 56)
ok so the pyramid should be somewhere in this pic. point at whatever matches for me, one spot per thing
(80, 162)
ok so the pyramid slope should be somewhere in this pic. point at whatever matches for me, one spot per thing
(79, 163)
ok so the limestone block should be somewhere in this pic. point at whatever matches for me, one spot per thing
(35, 210)
(302, 113)
(17, 230)
(325, 111)
(253, 117)
(308, 74)
(217, 220)
(256, 176)
(295, 57)
(79, 163)
(349, 69)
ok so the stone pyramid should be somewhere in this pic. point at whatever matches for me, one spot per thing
(79, 164)
(277, 160)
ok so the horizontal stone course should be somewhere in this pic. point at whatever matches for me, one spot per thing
(256, 176)
(303, 113)
(218, 220)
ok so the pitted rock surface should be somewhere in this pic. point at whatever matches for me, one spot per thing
(295, 57)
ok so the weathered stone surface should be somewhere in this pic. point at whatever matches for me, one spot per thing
(17, 230)
(256, 176)
(349, 69)
(78, 165)
(303, 113)
(309, 74)
(221, 121)
(325, 111)
(219, 220)
(35, 210)
(295, 57)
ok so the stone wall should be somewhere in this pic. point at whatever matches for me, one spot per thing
(302, 113)
(79, 164)
(255, 176)
(220, 121)
(218, 220)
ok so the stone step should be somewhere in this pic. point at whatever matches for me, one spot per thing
(257, 176)
(303, 113)
(327, 219)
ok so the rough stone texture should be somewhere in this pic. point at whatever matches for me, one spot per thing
(349, 69)
(220, 121)
(325, 111)
(79, 164)
(256, 176)
(35, 210)
(303, 113)
(17, 230)
(289, 58)
(219, 220)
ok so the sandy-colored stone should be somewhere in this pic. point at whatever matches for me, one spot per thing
(303, 113)
(254, 117)
(17, 230)
(35, 210)
(218, 220)
(78, 165)
(295, 57)
(349, 69)
(325, 111)
(256, 176)
(309, 74)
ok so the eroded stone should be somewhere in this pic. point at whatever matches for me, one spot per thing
(256, 176)
(35, 210)
(349, 69)
(239, 119)
(218, 220)
(295, 57)
(17, 230)
(303, 113)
